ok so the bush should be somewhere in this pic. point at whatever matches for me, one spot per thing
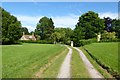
(110, 40)
(38, 41)
(86, 42)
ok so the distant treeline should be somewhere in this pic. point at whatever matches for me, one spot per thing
(88, 27)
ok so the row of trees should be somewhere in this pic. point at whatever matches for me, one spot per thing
(10, 27)
(88, 26)
(46, 30)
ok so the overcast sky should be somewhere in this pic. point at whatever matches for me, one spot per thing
(64, 14)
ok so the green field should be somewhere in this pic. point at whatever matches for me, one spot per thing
(107, 53)
(23, 61)
(53, 70)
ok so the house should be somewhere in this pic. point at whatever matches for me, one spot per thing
(28, 37)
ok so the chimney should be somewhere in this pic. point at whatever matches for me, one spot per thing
(23, 33)
(32, 33)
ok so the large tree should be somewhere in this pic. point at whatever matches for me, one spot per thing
(45, 28)
(63, 35)
(116, 26)
(25, 30)
(108, 22)
(11, 28)
(89, 24)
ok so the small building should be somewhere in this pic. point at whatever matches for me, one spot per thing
(28, 37)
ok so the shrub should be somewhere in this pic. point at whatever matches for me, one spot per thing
(108, 37)
(86, 42)
(37, 41)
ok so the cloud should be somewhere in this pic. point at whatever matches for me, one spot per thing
(65, 21)
(29, 21)
(108, 14)
(29, 28)
(59, 21)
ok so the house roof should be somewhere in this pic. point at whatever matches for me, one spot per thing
(30, 37)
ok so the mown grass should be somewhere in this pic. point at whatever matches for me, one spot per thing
(23, 61)
(78, 69)
(107, 53)
(97, 67)
(53, 70)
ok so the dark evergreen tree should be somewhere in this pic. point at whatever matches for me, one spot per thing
(116, 27)
(108, 22)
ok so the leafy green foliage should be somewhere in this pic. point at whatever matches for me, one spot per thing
(45, 28)
(56, 36)
(88, 26)
(37, 41)
(108, 22)
(63, 35)
(116, 27)
(108, 36)
(25, 30)
(10, 28)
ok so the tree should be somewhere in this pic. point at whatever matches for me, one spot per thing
(56, 37)
(108, 22)
(11, 28)
(108, 36)
(25, 30)
(63, 35)
(89, 24)
(0, 26)
(116, 27)
(45, 28)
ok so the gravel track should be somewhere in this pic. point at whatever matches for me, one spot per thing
(65, 68)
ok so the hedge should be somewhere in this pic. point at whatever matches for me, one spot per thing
(38, 41)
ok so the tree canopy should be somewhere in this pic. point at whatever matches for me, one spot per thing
(116, 27)
(10, 28)
(45, 28)
(108, 22)
(25, 30)
(89, 24)
(63, 35)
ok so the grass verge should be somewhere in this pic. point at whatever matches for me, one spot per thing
(78, 69)
(100, 69)
(53, 69)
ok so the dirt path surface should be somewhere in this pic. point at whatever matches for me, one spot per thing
(65, 68)
(92, 71)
